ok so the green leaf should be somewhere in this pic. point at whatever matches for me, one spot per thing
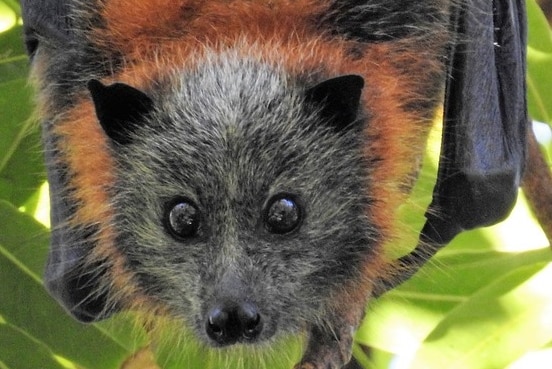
(14, 63)
(459, 274)
(24, 172)
(27, 306)
(485, 331)
(19, 351)
(405, 316)
(13, 5)
(23, 239)
(539, 68)
(20, 166)
(15, 105)
(539, 34)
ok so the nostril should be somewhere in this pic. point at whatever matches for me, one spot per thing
(227, 324)
(216, 323)
(250, 321)
(219, 325)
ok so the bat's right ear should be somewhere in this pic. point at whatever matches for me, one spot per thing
(45, 20)
(119, 108)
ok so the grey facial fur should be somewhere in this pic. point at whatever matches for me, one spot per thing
(229, 135)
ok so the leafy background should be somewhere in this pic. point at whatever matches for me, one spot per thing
(483, 302)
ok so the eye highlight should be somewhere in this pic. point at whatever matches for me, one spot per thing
(282, 214)
(182, 218)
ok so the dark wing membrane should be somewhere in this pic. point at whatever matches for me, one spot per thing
(69, 277)
(485, 125)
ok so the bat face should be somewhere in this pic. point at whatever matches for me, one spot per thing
(219, 206)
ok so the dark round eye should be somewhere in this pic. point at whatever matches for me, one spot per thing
(182, 218)
(282, 214)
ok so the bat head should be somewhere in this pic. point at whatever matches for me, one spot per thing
(238, 192)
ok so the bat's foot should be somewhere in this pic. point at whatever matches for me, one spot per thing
(327, 349)
(304, 366)
(322, 364)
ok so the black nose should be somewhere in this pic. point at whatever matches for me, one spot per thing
(229, 323)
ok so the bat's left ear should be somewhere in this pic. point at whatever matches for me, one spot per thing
(338, 99)
(485, 126)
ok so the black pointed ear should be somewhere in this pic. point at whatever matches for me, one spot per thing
(119, 108)
(339, 98)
